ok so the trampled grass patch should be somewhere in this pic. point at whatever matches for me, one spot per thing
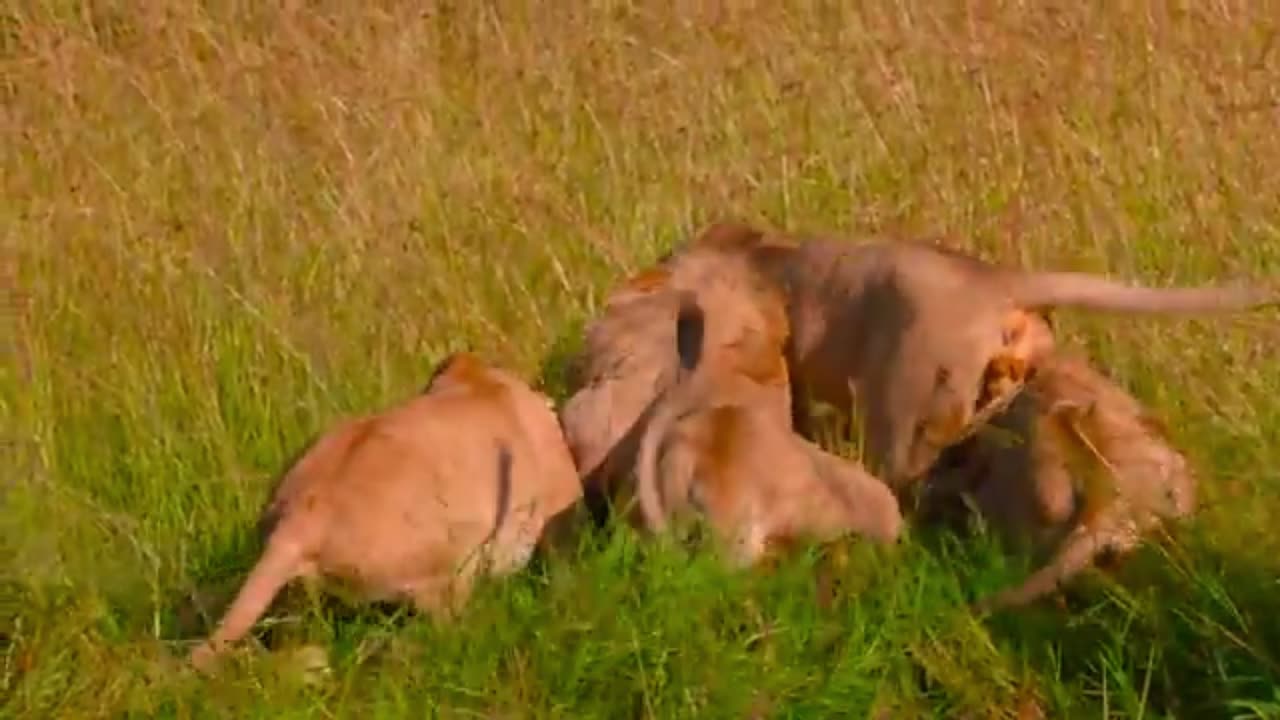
(225, 227)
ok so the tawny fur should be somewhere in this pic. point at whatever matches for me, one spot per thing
(1076, 466)
(627, 360)
(720, 445)
(905, 333)
(921, 342)
(415, 502)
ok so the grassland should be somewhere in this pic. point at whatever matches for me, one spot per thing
(227, 224)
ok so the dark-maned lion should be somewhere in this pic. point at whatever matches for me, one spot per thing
(1076, 465)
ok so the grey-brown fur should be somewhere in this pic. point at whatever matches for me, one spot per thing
(905, 332)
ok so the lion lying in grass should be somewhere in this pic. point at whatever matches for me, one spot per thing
(1076, 464)
(720, 445)
(628, 358)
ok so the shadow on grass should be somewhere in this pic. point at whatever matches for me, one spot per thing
(1209, 654)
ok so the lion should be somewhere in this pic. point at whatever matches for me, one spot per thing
(1075, 464)
(720, 445)
(904, 335)
(414, 503)
(627, 359)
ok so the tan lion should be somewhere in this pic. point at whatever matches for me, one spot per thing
(628, 358)
(417, 501)
(720, 446)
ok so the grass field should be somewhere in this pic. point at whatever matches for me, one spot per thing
(226, 226)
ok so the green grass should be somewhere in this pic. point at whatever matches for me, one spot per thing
(225, 228)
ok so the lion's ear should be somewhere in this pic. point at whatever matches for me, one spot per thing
(729, 234)
(463, 369)
(441, 369)
(1014, 326)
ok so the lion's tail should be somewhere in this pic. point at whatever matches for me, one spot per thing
(281, 562)
(1045, 290)
(690, 340)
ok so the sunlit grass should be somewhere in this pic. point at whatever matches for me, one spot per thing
(225, 228)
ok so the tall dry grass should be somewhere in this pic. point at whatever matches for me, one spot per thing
(227, 224)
